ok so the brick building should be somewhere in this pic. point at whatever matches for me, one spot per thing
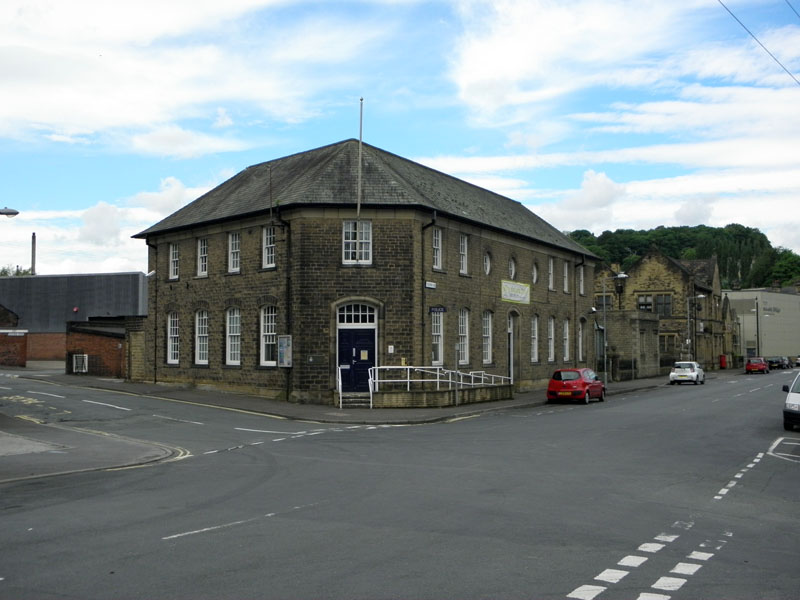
(43, 304)
(287, 274)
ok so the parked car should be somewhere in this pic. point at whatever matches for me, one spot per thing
(687, 371)
(756, 365)
(786, 363)
(791, 408)
(774, 362)
(797, 361)
(575, 384)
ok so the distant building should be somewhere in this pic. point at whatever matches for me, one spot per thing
(770, 320)
(695, 321)
(287, 278)
(43, 304)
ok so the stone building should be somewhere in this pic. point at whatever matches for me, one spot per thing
(695, 321)
(289, 275)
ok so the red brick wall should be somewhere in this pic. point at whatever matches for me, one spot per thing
(13, 350)
(106, 353)
(47, 346)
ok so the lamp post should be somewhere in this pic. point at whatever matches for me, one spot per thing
(9, 212)
(689, 332)
(618, 276)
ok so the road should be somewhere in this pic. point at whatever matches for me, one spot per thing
(683, 492)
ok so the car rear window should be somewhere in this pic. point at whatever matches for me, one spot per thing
(566, 375)
(683, 365)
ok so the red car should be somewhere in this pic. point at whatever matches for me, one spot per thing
(756, 365)
(575, 384)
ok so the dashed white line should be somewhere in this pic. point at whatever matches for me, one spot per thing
(632, 561)
(650, 547)
(611, 575)
(685, 568)
(586, 592)
(700, 555)
(669, 584)
(45, 394)
(109, 405)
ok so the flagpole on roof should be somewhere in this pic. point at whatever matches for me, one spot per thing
(360, 135)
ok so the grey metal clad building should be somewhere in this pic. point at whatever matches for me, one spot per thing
(44, 303)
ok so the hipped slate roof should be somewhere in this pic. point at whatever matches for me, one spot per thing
(327, 176)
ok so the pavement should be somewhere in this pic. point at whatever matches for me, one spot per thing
(30, 450)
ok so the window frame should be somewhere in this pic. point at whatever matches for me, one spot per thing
(173, 338)
(202, 257)
(201, 337)
(268, 247)
(436, 244)
(174, 261)
(233, 336)
(234, 252)
(487, 262)
(268, 338)
(565, 339)
(535, 338)
(551, 276)
(437, 338)
(566, 276)
(356, 242)
(487, 335)
(551, 339)
(463, 336)
(463, 254)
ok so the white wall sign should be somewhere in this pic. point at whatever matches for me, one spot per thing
(513, 291)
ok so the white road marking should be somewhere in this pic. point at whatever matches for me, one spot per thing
(632, 561)
(270, 431)
(611, 575)
(179, 420)
(669, 584)
(109, 405)
(685, 568)
(650, 547)
(648, 596)
(45, 394)
(700, 555)
(586, 592)
(666, 538)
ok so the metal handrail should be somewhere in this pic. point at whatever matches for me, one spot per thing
(439, 375)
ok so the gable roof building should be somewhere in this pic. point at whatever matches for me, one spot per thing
(400, 273)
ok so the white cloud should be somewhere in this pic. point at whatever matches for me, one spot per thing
(176, 141)
(101, 225)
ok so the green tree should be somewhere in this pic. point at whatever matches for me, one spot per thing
(12, 271)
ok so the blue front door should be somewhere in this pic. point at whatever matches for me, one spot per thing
(356, 356)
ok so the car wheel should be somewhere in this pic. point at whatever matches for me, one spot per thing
(703, 381)
(695, 381)
(788, 426)
(603, 395)
(586, 398)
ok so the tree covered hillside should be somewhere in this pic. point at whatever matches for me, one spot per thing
(745, 256)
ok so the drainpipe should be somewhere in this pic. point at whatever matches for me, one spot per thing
(422, 281)
(287, 227)
(575, 317)
(155, 311)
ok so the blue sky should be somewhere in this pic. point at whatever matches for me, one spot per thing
(596, 114)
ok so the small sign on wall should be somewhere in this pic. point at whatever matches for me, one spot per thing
(284, 350)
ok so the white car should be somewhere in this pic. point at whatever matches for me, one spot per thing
(791, 408)
(688, 371)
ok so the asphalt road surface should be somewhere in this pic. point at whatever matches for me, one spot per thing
(684, 492)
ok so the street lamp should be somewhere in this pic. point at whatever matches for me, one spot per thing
(689, 332)
(618, 276)
(9, 212)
